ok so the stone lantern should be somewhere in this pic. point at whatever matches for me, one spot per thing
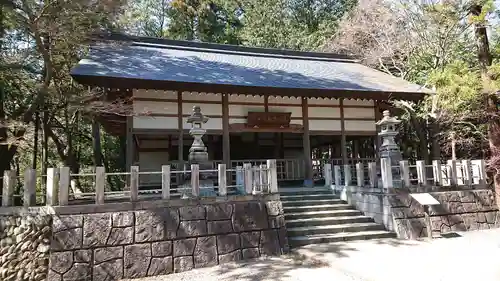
(388, 131)
(389, 148)
(198, 152)
(198, 155)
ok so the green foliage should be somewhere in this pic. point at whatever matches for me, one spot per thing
(292, 24)
(457, 86)
(209, 21)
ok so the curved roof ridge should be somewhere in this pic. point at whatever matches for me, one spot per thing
(226, 48)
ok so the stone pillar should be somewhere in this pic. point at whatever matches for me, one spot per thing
(388, 148)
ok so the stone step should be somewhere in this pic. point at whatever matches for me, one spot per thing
(313, 202)
(331, 229)
(327, 221)
(339, 237)
(323, 207)
(304, 191)
(286, 197)
(305, 214)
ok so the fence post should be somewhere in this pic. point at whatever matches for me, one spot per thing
(347, 175)
(195, 180)
(327, 174)
(386, 172)
(9, 183)
(272, 176)
(338, 177)
(479, 171)
(134, 183)
(247, 178)
(262, 178)
(222, 179)
(421, 173)
(436, 171)
(64, 186)
(452, 172)
(372, 174)
(405, 172)
(360, 174)
(51, 195)
(100, 183)
(165, 182)
(466, 172)
(29, 187)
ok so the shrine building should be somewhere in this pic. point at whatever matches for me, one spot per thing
(296, 107)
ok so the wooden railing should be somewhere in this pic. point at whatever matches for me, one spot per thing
(451, 173)
(61, 186)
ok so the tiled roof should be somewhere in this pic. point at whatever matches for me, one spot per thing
(202, 63)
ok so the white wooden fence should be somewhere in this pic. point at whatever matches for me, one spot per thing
(452, 173)
(60, 189)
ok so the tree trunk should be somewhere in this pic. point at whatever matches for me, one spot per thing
(45, 143)
(485, 60)
(35, 140)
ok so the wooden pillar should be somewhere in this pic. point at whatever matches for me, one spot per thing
(378, 116)
(356, 151)
(306, 141)
(180, 126)
(343, 139)
(130, 144)
(226, 149)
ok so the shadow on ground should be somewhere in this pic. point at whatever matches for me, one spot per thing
(343, 249)
(306, 257)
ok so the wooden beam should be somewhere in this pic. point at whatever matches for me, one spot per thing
(226, 151)
(306, 141)
(266, 103)
(139, 83)
(343, 140)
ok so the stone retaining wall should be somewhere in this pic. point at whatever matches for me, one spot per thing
(24, 247)
(459, 210)
(163, 240)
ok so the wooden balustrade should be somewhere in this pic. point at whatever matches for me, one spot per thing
(453, 173)
(257, 179)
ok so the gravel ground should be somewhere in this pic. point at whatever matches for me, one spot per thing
(474, 256)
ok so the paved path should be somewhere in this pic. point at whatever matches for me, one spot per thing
(474, 256)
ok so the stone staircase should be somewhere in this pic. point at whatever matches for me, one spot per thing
(318, 216)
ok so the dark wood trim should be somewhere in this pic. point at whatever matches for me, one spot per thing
(245, 117)
(237, 127)
(266, 98)
(266, 103)
(306, 140)
(180, 128)
(242, 127)
(226, 149)
(339, 133)
(343, 140)
(335, 119)
(138, 83)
